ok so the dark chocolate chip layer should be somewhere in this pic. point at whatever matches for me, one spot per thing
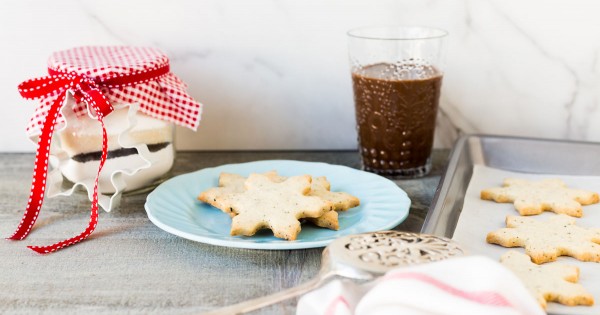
(95, 156)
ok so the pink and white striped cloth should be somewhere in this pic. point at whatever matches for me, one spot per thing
(466, 285)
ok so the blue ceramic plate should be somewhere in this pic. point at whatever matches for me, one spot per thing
(173, 206)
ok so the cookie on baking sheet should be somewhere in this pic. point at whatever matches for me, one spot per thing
(534, 197)
(276, 206)
(553, 282)
(545, 241)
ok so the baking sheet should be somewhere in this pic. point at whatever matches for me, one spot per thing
(517, 154)
(478, 217)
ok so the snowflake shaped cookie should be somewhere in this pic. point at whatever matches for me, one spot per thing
(545, 241)
(534, 197)
(553, 282)
(276, 206)
(320, 187)
(228, 184)
(341, 201)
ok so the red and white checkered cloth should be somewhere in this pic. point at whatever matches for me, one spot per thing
(164, 97)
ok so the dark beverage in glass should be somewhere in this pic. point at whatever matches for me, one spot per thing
(396, 108)
(396, 78)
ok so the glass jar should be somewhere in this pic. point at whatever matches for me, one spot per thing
(140, 150)
(140, 101)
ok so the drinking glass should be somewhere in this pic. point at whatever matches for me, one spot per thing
(396, 76)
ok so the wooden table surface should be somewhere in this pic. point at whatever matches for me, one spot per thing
(130, 266)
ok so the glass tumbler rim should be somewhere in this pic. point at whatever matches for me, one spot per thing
(370, 32)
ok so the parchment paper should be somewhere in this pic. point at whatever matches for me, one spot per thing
(478, 217)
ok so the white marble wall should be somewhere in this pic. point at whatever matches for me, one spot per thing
(273, 74)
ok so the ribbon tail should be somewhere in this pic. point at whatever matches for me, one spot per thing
(94, 208)
(40, 172)
(83, 235)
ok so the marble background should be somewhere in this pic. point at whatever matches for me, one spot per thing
(274, 74)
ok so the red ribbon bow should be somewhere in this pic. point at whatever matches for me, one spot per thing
(83, 89)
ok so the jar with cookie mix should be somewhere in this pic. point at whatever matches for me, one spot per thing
(147, 100)
(105, 123)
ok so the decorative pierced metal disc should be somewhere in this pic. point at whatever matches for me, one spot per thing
(381, 251)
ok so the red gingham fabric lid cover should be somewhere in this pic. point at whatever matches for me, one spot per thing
(164, 97)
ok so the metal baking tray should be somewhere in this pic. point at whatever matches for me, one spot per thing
(508, 153)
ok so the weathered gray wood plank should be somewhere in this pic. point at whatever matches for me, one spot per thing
(130, 266)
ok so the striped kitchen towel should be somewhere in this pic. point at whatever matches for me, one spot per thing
(465, 285)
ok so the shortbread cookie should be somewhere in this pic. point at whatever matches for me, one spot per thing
(237, 181)
(545, 241)
(277, 206)
(213, 195)
(228, 184)
(320, 187)
(531, 197)
(234, 183)
(553, 282)
(341, 201)
(329, 220)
